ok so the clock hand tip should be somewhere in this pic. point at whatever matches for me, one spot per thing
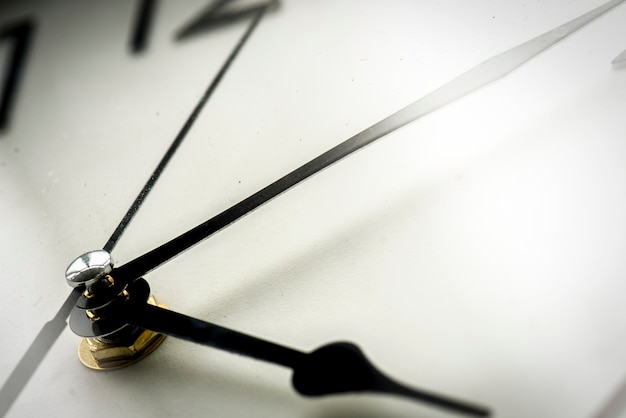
(342, 367)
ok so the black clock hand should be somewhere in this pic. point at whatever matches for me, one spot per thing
(182, 134)
(331, 369)
(473, 79)
(40, 346)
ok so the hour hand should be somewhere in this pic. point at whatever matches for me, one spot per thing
(342, 367)
(331, 369)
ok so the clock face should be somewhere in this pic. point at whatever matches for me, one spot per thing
(476, 252)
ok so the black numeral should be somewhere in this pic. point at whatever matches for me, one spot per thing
(144, 17)
(20, 35)
(218, 14)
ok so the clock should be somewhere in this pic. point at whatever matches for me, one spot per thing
(476, 252)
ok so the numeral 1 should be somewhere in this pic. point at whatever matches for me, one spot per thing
(20, 35)
(146, 12)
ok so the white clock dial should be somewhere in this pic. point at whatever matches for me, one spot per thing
(476, 252)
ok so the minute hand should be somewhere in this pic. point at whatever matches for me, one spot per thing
(471, 80)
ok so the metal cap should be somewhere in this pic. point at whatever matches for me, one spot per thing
(89, 268)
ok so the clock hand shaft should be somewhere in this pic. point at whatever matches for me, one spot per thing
(185, 327)
(35, 353)
(110, 244)
(473, 79)
(331, 369)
